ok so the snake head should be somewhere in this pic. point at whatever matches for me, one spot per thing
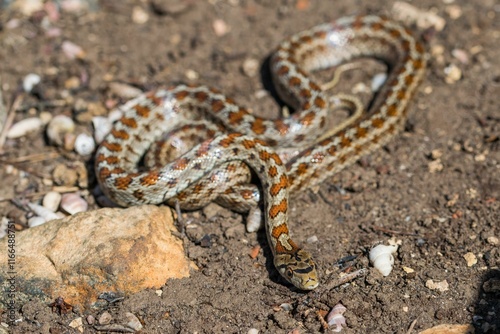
(298, 268)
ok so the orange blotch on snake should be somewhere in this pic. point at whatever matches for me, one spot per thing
(305, 93)
(409, 79)
(236, 116)
(120, 134)
(142, 110)
(113, 147)
(272, 171)
(130, 122)
(294, 81)
(308, 118)
(277, 208)
(181, 95)
(201, 96)
(283, 70)
(150, 178)
(279, 230)
(277, 187)
(248, 144)
(281, 126)
(258, 126)
(180, 164)
(123, 182)
(377, 123)
(302, 168)
(139, 195)
(345, 141)
(361, 132)
(392, 110)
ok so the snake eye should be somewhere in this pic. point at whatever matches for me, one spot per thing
(289, 273)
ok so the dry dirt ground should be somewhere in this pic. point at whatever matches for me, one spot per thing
(435, 187)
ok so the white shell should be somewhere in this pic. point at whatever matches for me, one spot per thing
(42, 212)
(133, 322)
(35, 221)
(30, 81)
(84, 144)
(23, 127)
(73, 203)
(254, 220)
(51, 200)
(382, 259)
(102, 126)
(378, 80)
(336, 318)
(58, 127)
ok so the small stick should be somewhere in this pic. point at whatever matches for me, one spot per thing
(9, 120)
(37, 157)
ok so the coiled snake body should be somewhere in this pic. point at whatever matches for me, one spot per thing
(215, 168)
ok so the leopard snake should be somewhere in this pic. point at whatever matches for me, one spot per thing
(214, 168)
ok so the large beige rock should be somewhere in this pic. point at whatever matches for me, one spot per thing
(107, 250)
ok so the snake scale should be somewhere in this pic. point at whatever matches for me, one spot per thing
(237, 139)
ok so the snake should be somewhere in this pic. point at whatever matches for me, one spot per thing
(238, 140)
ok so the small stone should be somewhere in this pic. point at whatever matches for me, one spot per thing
(461, 55)
(192, 75)
(23, 127)
(435, 166)
(159, 292)
(250, 67)
(378, 80)
(480, 157)
(72, 51)
(90, 319)
(408, 270)
(453, 74)
(105, 318)
(453, 11)
(470, 258)
(73, 203)
(220, 27)
(36, 221)
(440, 286)
(51, 200)
(30, 81)
(77, 324)
(436, 154)
(139, 15)
(84, 144)
(253, 331)
(72, 83)
(492, 240)
(133, 322)
(311, 240)
(58, 127)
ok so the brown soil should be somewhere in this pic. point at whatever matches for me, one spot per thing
(439, 215)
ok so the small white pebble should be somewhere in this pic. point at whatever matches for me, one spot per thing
(453, 74)
(73, 203)
(312, 239)
(286, 307)
(30, 81)
(105, 318)
(77, 324)
(58, 127)
(159, 292)
(254, 220)
(133, 322)
(23, 127)
(102, 126)
(220, 27)
(72, 51)
(51, 200)
(36, 221)
(42, 211)
(253, 331)
(250, 67)
(192, 74)
(84, 144)
(124, 91)
(378, 80)
(336, 318)
(139, 15)
(382, 259)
